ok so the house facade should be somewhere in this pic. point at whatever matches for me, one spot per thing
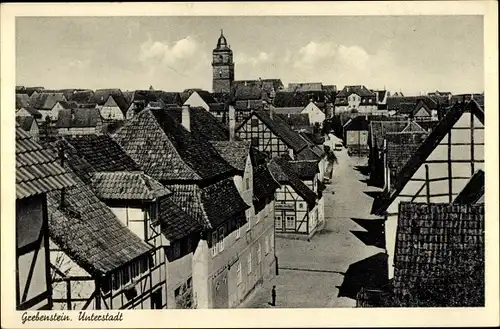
(316, 116)
(356, 99)
(37, 173)
(438, 170)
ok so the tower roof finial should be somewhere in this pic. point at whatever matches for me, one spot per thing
(222, 42)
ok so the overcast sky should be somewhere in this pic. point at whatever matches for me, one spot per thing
(408, 53)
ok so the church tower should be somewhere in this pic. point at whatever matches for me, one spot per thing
(222, 67)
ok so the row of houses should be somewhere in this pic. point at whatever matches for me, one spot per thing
(432, 207)
(133, 219)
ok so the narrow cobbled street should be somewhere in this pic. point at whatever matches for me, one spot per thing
(326, 271)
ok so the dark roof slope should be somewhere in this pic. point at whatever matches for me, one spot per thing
(89, 233)
(206, 96)
(264, 185)
(473, 191)
(357, 89)
(100, 96)
(46, 101)
(102, 153)
(22, 100)
(379, 129)
(167, 151)
(235, 153)
(37, 170)
(82, 96)
(394, 103)
(202, 123)
(380, 204)
(306, 169)
(174, 222)
(283, 172)
(281, 130)
(25, 122)
(439, 256)
(298, 99)
(78, 118)
(125, 185)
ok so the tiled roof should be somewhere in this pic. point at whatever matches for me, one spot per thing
(174, 222)
(473, 191)
(413, 127)
(298, 122)
(380, 204)
(281, 130)
(82, 97)
(166, 151)
(202, 123)
(267, 85)
(125, 185)
(283, 173)
(100, 96)
(378, 130)
(358, 90)
(46, 101)
(89, 233)
(121, 102)
(78, 118)
(30, 90)
(264, 184)
(393, 103)
(439, 248)
(102, 153)
(206, 96)
(37, 170)
(305, 86)
(22, 100)
(288, 110)
(204, 204)
(306, 169)
(297, 99)
(34, 112)
(406, 108)
(68, 105)
(235, 153)
(249, 92)
(25, 122)
(400, 147)
(233, 205)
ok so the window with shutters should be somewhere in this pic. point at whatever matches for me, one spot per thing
(290, 222)
(278, 222)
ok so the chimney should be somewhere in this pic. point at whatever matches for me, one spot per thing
(232, 122)
(186, 120)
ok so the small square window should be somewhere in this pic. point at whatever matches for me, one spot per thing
(255, 141)
(255, 122)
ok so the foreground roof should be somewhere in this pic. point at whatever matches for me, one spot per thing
(439, 254)
(37, 170)
(125, 185)
(235, 153)
(264, 185)
(78, 118)
(89, 233)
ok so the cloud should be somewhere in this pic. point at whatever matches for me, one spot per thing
(160, 52)
(260, 58)
(316, 54)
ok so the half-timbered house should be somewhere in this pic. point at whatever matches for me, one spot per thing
(295, 202)
(439, 169)
(37, 173)
(268, 133)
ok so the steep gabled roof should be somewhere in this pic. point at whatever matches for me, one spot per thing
(25, 122)
(280, 129)
(306, 169)
(126, 185)
(357, 89)
(102, 153)
(202, 123)
(473, 191)
(68, 105)
(264, 185)
(37, 170)
(82, 96)
(206, 96)
(235, 153)
(78, 118)
(46, 101)
(22, 100)
(284, 174)
(381, 203)
(100, 96)
(167, 151)
(174, 222)
(90, 234)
